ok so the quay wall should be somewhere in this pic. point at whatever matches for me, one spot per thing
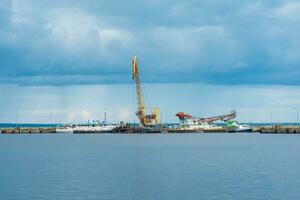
(256, 129)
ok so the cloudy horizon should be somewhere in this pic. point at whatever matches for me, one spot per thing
(250, 47)
(80, 103)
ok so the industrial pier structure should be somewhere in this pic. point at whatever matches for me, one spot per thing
(149, 121)
(188, 123)
(146, 120)
(128, 129)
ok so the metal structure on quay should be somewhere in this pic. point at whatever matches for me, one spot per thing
(149, 122)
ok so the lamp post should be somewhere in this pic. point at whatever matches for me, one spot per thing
(51, 116)
(272, 112)
(297, 119)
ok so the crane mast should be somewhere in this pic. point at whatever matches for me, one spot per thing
(145, 120)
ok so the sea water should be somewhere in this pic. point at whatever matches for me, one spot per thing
(154, 166)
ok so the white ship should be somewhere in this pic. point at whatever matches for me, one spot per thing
(94, 128)
(65, 129)
(89, 127)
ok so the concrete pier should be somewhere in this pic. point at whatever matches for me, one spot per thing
(277, 129)
(128, 130)
(28, 130)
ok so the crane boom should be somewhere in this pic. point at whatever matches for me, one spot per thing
(227, 117)
(139, 95)
(145, 120)
(209, 120)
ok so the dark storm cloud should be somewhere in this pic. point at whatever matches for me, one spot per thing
(91, 42)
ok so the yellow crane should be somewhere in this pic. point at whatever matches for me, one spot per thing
(145, 120)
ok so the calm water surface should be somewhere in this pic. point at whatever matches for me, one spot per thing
(187, 166)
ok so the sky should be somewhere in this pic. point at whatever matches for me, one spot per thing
(74, 58)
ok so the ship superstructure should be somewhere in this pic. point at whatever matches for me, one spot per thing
(187, 121)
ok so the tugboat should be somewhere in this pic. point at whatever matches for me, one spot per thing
(233, 126)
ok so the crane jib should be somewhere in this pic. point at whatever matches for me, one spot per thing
(145, 120)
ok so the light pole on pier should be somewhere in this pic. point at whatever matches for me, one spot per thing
(272, 112)
(297, 119)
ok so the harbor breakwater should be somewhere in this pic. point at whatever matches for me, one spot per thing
(136, 130)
